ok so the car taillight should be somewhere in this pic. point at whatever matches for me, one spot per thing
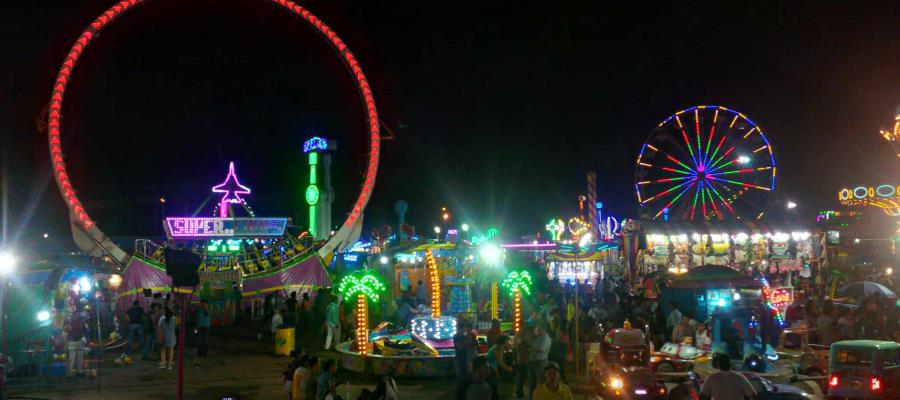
(876, 384)
(833, 381)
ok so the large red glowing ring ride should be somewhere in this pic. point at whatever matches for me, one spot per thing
(76, 209)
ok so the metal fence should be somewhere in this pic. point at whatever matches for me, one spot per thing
(77, 366)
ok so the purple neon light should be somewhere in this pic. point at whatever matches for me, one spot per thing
(208, 227)
(529, 246)
(232, 190)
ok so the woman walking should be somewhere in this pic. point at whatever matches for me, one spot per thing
(167, 325)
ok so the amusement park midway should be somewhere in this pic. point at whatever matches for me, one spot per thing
(275, 199)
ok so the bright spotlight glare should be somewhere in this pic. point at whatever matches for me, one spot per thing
(465, 227)
(437, 229)
(490, 253)
(583, 242)
(889, 271)
(384, 260)
(743, 159)
(43, 315)
(737, 296)
(84, 284)
(7, 263)
(791, 205)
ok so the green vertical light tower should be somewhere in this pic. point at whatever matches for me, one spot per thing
(319, 193)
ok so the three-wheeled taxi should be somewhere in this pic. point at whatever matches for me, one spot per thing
(864, 369)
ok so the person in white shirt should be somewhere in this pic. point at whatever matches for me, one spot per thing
(702, 339)
(726, 384)
(277, 320)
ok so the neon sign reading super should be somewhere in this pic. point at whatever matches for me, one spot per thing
(187, 227)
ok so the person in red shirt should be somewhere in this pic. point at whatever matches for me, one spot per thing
(494, 333)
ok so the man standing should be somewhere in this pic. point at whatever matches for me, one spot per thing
(682, 330)
(421, 294)
(462, 347)
(477, 386)
(291, 305)
(726, 384)
(673, 319)
(537, 358)
(204, 321)
(135, 316)
(75, 343)
(333, 322)
(598, 313)
(552, 388)
(306, 307)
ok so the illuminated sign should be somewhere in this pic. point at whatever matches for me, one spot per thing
(886, 197)
(781, 298)
(863, 193)
(202, 228)
(315, 144)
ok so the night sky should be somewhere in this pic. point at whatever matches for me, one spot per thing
(498, 108)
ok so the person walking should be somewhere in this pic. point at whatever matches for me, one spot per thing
(167, 325)
(462, 346)
(292, 305)
(672, 319)
(538, 358)
(496, 359)
(478, 386)
(135, 316)
(75, 336)
(552, 388)
(306, 306)
(204, 322)
(333, 324)
(327, 381)
(726, 384)
(149, 334)
(521, 349)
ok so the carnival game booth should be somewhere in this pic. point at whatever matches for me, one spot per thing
(677, 247)
(586, 267)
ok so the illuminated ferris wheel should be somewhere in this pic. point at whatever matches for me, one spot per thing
(705, 163)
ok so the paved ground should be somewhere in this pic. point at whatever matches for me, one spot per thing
(239, 366)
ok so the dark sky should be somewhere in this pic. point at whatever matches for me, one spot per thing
(499, 108)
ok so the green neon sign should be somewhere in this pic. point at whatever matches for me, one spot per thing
(312, 195)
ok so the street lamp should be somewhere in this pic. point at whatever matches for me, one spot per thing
(465, 227)
(791, 205)
(383, 260)
(582, 243)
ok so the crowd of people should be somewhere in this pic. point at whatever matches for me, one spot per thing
(149, 331)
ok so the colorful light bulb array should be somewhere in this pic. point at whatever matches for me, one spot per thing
(893, 136)
(767, 296)
(578, 226)
(556, 227)
(517, 282)
(365, 285)
(55, 107)
(435, 280)
(431, 328)
(702, 174)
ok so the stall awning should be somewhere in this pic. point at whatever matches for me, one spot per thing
(730, 227)
(586, 256)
